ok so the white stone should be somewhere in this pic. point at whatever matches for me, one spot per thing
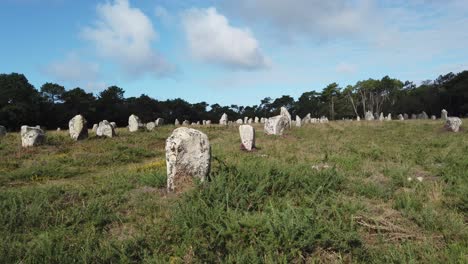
(433, 117)
(186, 123)
(453, 124)
(150, 126)
(59, 129)
(113, 124)
(389, 117)
(105, 129)
(224, 120)
(358, 118)
(31, 136)
(369, 116)
(250, 121)
(306, 119)
(208, 122)
(246, 119)
(176, 122)
(159, 122)
(298, 121)
(443, 114)
(247, 135)
(284, 112)
(134, 123)
(276, 125)
(400, 117)
(77, 127)
(323, 119)
(381, 117)
(256, 120)
(188, 155)
(239, 121)
(95, 126)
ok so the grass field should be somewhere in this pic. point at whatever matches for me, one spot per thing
(342, 192)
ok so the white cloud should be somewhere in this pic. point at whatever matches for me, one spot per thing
(212, 39)
(74, 72)
(346, 68)
(125, 34)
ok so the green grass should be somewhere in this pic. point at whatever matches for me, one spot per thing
(104, 200)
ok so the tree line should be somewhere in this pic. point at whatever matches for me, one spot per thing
(53, 106)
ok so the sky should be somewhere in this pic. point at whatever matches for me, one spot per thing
(230, 51)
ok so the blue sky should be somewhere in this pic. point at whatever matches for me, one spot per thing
(230, 51)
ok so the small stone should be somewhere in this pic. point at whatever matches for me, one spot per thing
(443, 114)
(247, 135)
(224, 120)
(298, 121)
(176, 122)
(105, 129)
(276, 125)
(239, 121)
(188, 155)
(159, 122)
(78, 128)
(369, 116)
(31, 136)
(400, 117)
(186, 123)
(150, 126)
(433, 117)
(453, 124)
(134, 123)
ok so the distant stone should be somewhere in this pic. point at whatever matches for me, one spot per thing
(401, 117)
(105, 129)
(247, 135)
(150, 126)
(256, 120)
(186, 123)
(376, 116)
(323, 119)
(198, 123)
(423, 115)
(453, 124)
(239, 121)
(433, 117)
(134, 123)
(224, 120)
(381, 117)
(188, 155)
(284, 112)
(95, 127)
(208, 122)
(59, 129)
(306, 119)
(159, 122)
(176, 122)
(276, 125)
(369, 116)
(250, 121)
(389, 117)
(405, 116)
(246, 119)
(358, 118)
(443, 114)
(414, 116)
(32, 136)
(78, 128)
(113, 124)
(3, 131)
(298, 121)
(262, 120)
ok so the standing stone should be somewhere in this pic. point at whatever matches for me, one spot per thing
(323, 119)
(405, 116)
(246, 119)
(389, 117)
(358, 118)
(105, 129)
(95, 127)
(208, 122)
(276, 125)
(306, 119)
(59, 129)
(186, 123)
(256, 120)
(78, 128)
(31, 136)
(150, 126)
(453, 124)
(247, 135)
(113, 124)
(262, 120)
(424, 115)
(433, 117)
(204, 122)
(2, 131)
(443, 114)
(369, 116)
(134, 123)
(224, 120)
(159, 122)
(284, 112)
(239, 121)
(176, 122)
(400, 117)
(381, 117)
(188, 155)
(249, 121)
(298, 121)
(376, 116)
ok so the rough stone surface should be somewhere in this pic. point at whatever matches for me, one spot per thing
(369, 116)
(400, 117)
(159, 122)
(31, 136)
(224, 120)
(453, 124)
(256, 120)
(134, 123)
(247, 135)
(284, 112)
(262, 120)
(443, 114)
(186, 123)
(306, 119)
(105, 129)
(188, 155)
(78, 128)
(276, 125)
(2, 131)
(95, 126)
(150, 126)
(298, 121)
(113, 124)
(176, 122)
